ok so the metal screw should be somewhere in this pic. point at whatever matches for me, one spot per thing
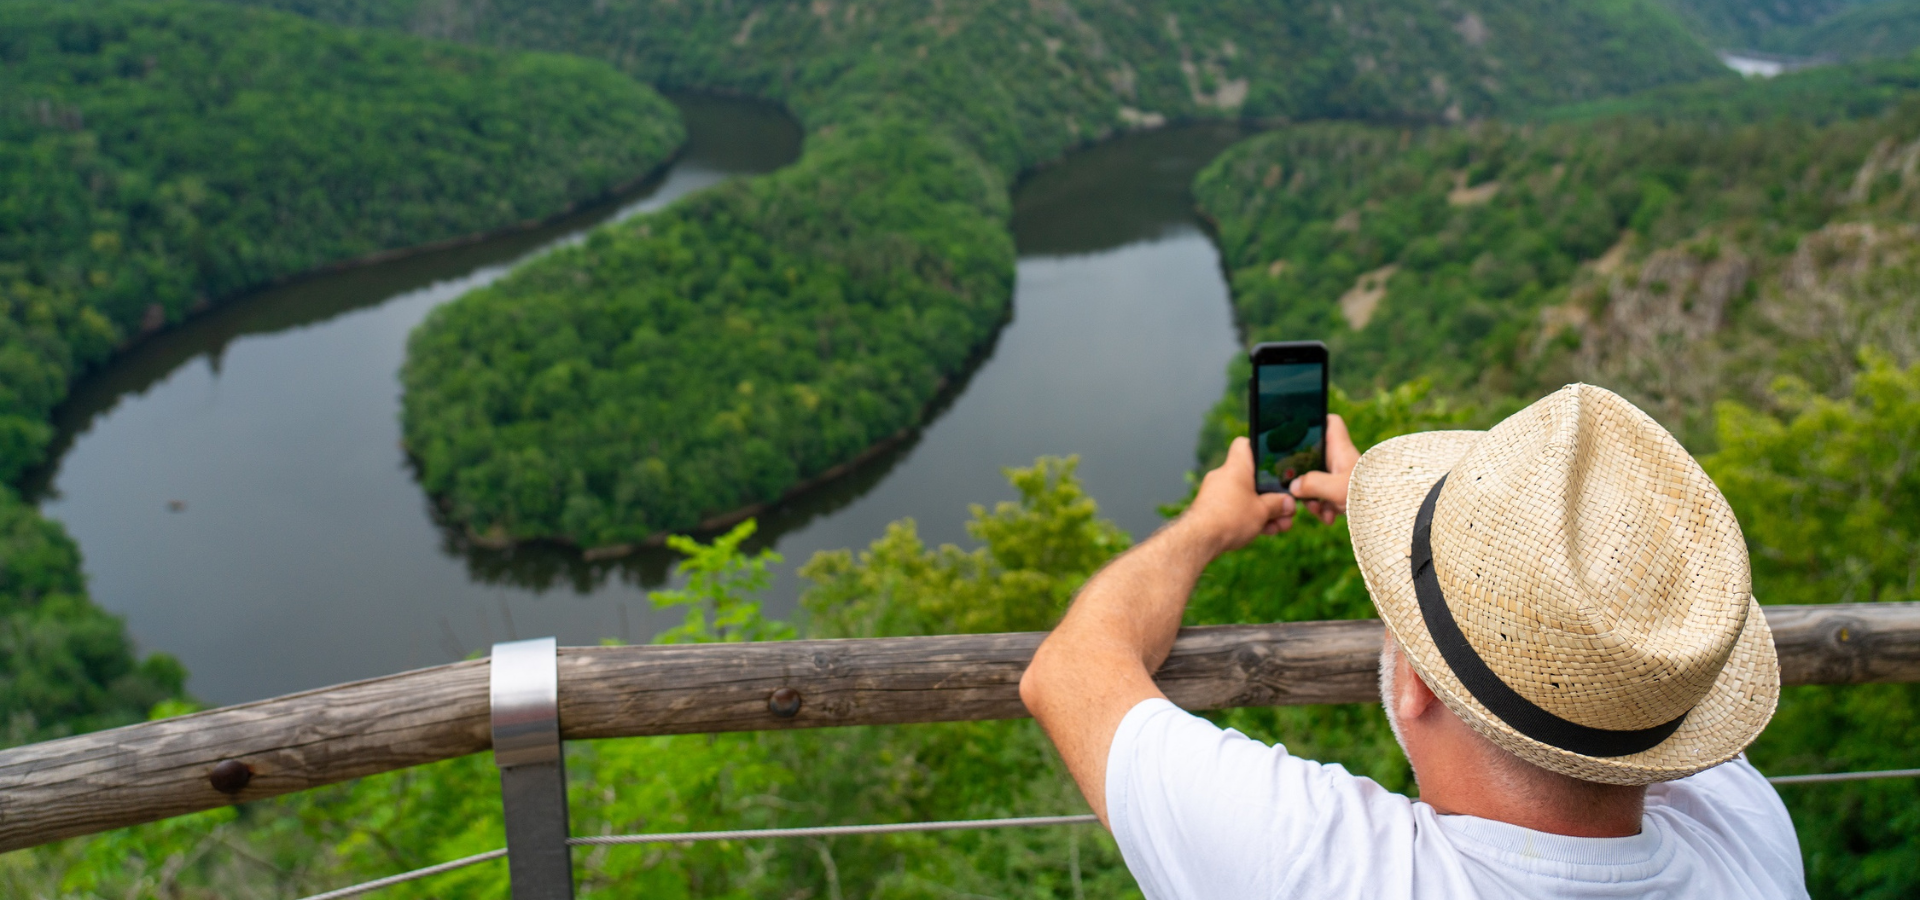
(784, 703)
(230, 776)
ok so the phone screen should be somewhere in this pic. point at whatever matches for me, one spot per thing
(1289, 418)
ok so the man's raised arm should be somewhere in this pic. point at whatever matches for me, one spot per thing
(1099, 662)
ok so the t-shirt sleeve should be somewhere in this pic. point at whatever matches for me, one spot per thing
(1209, 814)
(1736, 813)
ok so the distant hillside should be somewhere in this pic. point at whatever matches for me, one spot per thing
(1027, 79)
(587, 439)
(1644, 251)
(1830, 29)
(1879, 29)
(1753, 24)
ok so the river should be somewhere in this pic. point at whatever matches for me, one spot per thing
(238, 490)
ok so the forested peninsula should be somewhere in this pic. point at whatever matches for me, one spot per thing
(682, 368)
(160, 157)
(1741, 260)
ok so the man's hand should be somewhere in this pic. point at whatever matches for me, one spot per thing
(1099, 662)
(1325, 493)
(1228, 513)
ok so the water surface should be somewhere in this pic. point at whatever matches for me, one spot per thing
(240, 496)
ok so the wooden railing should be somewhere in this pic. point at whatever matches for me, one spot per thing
(139, 773)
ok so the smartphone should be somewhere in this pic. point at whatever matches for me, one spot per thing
(1287, 412)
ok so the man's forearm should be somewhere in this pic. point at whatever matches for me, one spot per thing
(1132, 608)
(1099, 662)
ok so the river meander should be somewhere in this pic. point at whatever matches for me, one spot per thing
(238, 490)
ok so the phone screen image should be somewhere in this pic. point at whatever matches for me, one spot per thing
(1290, 423)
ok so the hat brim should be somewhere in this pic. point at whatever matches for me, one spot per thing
(1384, 497)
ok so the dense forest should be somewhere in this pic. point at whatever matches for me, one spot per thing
(715, 354)
(571, 431)
(1819, 29)
(1667, 253)
(1684, 245)
(1740, 261)
(158, 157)
(1880, 28)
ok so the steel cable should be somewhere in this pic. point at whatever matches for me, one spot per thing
(895, 828)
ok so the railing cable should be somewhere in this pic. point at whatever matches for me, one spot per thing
(690, 836)
(894, 828)
(829, 830)
(392, 880)
(1844, 776)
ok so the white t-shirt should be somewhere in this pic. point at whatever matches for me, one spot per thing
(1206, 814)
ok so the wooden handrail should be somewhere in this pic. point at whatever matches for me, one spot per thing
(153, 770)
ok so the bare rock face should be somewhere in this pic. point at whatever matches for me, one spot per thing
(1670, 330)
(1649, 328)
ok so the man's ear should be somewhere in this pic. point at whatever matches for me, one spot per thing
(1414, 697)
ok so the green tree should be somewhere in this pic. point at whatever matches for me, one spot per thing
(1828, 493)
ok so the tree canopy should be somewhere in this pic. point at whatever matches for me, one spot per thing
(158, 157)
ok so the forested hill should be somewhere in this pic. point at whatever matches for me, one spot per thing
(1820, 29)
(1741, 262)
(1753, 24)
(681, 369)
(1022, 81)
(157, 157)
(160, 156)
(1653, 250)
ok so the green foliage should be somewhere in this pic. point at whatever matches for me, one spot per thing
(1506, 259)
(1755, 24)
(710, 357)
(159, 156)
(748, 340)
(47, 336)
(722, 583)
(1882, 28)
(163, 154)
(1036, 552)
(66, 665)
(1022, 82)
(1828, 491)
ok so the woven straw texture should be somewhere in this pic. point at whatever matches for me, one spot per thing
(1594, 567)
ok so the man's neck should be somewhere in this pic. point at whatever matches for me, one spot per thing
(1477, 783)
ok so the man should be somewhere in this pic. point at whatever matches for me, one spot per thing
(1574, 662)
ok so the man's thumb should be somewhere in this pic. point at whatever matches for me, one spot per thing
(1313, 486)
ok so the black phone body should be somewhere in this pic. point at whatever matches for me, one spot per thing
(1287, 412)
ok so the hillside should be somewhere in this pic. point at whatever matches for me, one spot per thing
(1746, 270)
(1880, 29)
(1753, 24)
(979, 92)
(159, 157)
(1647, 251)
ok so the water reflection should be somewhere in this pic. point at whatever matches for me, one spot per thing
(239, 492)
(240, 496)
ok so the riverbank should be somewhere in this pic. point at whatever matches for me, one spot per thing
(517, 396)
(168, 156)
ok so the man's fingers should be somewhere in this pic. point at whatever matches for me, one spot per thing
(1239, 457)
(1341, 451)
(1319, 486)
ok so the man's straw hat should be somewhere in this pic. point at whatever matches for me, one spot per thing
(1576, 589)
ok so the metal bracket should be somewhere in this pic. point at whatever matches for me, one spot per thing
(525, 690)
